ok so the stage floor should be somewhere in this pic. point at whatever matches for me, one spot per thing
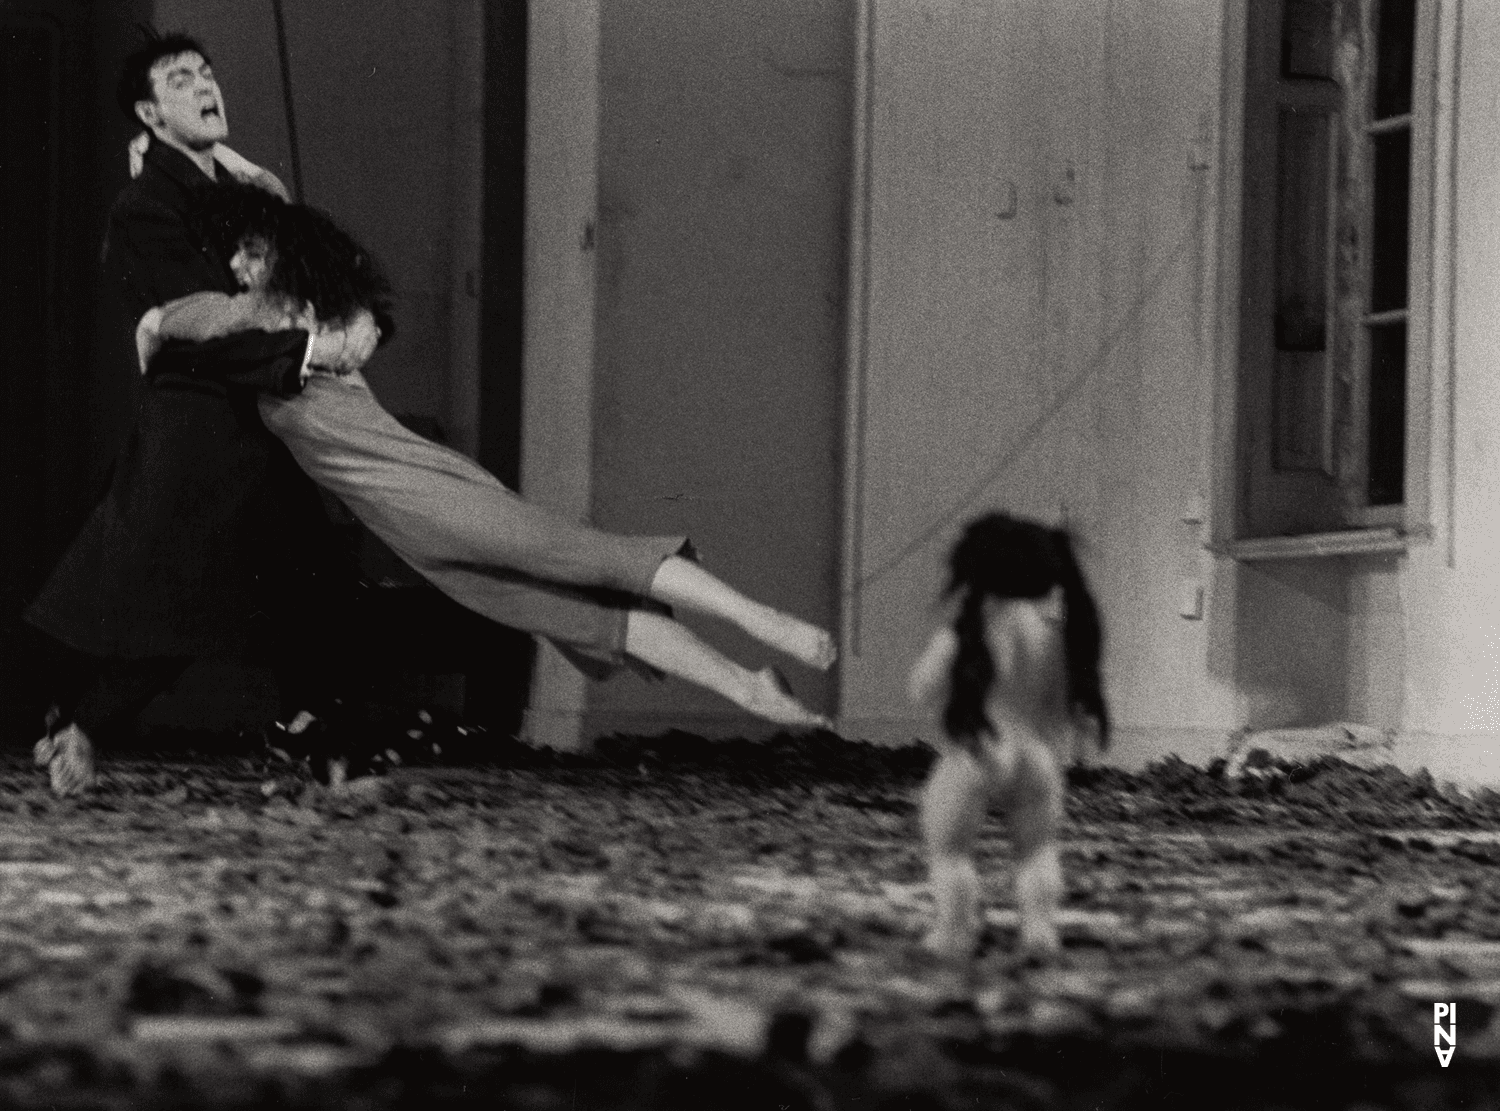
(673, 924)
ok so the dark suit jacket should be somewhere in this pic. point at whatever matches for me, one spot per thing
(175, 559)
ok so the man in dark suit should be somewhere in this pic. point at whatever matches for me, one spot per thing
(207, 520)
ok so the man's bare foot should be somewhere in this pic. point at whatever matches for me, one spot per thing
(71, 763)
(801, 640)
(770, 696)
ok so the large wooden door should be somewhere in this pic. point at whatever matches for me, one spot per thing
(975, 308)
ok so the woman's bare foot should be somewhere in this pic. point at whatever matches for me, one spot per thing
(70, 762)
(770, 696)
(681, 582)
(801, 640)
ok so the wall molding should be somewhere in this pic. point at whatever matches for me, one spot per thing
(856, 337)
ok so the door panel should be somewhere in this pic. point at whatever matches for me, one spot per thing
(958, 202)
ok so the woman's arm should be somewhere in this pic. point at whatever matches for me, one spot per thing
(199, 317)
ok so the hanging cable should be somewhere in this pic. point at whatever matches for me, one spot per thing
(286, 99)
(1004, 460)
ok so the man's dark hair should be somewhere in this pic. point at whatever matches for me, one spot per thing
(135, 74)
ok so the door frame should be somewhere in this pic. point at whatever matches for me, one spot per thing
(562, 177)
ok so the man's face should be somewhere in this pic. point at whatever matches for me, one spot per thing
(187, 109)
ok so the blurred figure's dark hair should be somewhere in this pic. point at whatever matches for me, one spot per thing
(314, 261)
(1000, 556)
(135, 73)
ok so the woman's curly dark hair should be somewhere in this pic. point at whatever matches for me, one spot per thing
(1001, 556)
(314, 261)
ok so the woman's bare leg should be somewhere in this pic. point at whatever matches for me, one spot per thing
(674, 648)
(681, 582)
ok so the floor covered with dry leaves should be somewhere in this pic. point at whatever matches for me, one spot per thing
(673, 924)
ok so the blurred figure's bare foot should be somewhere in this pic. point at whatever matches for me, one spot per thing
(69, 761)
(950, 943)
(1039, 939)
(771, 697)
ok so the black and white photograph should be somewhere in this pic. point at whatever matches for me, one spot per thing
(805, 555)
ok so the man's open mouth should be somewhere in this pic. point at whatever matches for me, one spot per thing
(211, 110)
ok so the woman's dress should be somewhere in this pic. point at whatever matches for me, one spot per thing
(454, 523)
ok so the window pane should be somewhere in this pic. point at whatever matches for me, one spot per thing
(1392, 208)
(1387, 414)
(1307, 38)
(1393, 68)
(1302, 166)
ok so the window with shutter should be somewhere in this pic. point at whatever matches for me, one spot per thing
(1337, 175)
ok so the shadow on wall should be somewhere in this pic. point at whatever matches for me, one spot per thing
(1292, 650)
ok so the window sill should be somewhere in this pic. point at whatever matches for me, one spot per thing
(1315, 545)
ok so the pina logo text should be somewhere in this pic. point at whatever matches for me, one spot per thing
(1442, 1034)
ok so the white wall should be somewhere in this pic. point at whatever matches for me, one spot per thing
(1451, 589)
